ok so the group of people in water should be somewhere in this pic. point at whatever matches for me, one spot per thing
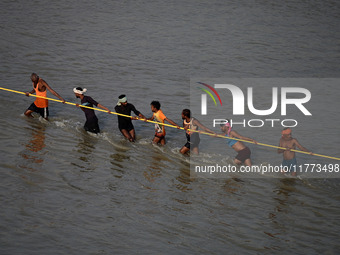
(190, 124)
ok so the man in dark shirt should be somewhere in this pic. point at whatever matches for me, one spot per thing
(124, 123)
(91, 124)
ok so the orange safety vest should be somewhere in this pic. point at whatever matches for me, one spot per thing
(40, 102)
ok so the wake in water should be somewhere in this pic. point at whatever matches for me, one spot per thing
(168, 153)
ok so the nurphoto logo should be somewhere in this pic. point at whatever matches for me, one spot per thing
(295, 96)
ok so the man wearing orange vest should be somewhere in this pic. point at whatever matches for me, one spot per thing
(40, 105)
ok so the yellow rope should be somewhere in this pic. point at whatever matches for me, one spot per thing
(169, 125)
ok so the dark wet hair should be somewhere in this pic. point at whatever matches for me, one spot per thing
(186, 113)
(156, 104)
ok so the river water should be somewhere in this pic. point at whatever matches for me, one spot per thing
(64, 191)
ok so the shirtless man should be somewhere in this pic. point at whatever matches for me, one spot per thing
(40, 105)
(288, 142)
(243, 152)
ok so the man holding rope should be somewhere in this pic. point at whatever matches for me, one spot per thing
(290, 143)
(159, 128)
(124, 123)
(191, 125)
(40, 105)
(91, 124)
(243, 152)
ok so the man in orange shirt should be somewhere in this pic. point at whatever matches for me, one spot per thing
(160, 117)
(40, 105)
